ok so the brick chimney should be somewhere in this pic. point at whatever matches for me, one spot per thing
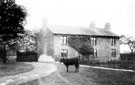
(107, 26)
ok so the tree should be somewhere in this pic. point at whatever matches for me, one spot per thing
(74, 42)
(130, 41)
(28, 42)
(81, 44)
(86, 49)
(12, 17)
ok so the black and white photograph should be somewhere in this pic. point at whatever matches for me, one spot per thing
(67, 42)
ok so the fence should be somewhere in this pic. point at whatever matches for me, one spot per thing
(27, 56)
(126, 61)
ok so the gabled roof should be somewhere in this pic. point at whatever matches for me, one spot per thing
(70, 30)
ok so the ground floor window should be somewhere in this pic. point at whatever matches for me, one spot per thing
(95, 52)
(64, 53)
(113, 52)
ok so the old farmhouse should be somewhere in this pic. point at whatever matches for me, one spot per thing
(52, 41)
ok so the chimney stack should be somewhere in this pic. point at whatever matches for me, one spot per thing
(92, 25)
(107, 26)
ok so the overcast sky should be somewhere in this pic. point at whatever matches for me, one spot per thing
(119, 13)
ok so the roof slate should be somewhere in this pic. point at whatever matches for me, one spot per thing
(81, 31)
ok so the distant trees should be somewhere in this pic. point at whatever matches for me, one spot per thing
(81, 44)
(12, 20)
(130, 41)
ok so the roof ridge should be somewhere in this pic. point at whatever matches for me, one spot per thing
(76, 30)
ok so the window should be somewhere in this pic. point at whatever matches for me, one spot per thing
(64, 40)
(64, 53)
(95, 52)
(113, 52)
(113, 42)
(93, 41)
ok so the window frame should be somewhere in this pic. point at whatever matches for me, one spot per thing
(113, 54)
(64, 52)
(63, 40)
(113, 41)
(95, 53)
(93, 41)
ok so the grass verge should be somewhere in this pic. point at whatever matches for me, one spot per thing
(10, 69)
(109, 77)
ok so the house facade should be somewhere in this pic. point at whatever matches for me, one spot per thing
(105, 43)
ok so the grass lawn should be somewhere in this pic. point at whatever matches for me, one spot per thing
(109, 77)
(10, 69)
(94, 76)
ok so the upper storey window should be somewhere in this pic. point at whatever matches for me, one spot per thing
(93, 40)
(113, 41)
(64, 40)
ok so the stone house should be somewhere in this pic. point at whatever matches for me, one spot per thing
(53, 41)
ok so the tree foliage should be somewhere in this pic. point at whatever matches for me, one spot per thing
(130, 41)
(28, 42)
(86, 49)
(74, 42)
(81, 44)
(12, 17)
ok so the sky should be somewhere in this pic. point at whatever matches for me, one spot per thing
(119, 13)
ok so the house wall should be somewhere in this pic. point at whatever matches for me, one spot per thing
(58, 46)
(103, 48)
(45, 42)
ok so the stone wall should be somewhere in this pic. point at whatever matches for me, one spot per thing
(103, 48)
(58, 46)
(45, 42)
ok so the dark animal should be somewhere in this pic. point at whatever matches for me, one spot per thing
(71, 61)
